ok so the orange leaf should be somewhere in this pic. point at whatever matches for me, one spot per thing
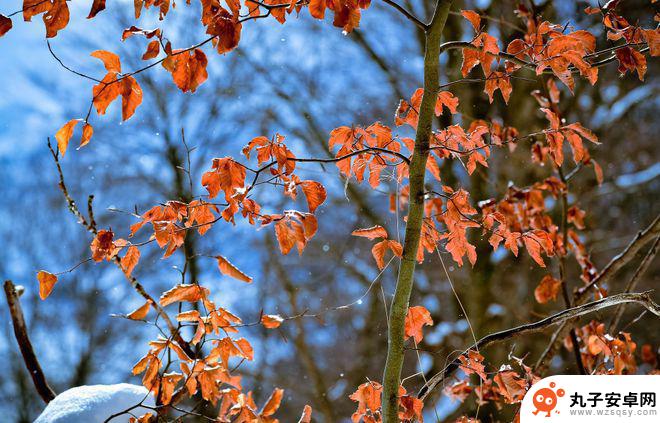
(273, 403)
(378, 251)
(371, 233)
(184, 292)
(367, 396)
(473, 363)
(130, 260)
(306, 416)
(34, 7)
(56, 18)
(167, 384)
(227, 27)
(317, 8)
(271, 321)
(314, 193)
(131, 97)
(110, 60)
(153, 49)
(188, 68)
(473, 17)
(5, 24)
(547, 289)
(97, 6)
(417, 317)
(140, 313)
(447, 99)
(64, 135)
(102, 246)
(46, 283)
(88, 131)
(227, 268)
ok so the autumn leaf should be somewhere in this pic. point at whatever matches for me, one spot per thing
(110, 87)
(273, 403)
(473, 364)
(314, 193)
(188, 68)
(130, 260)
(473, 17)
(5, 24)
(367, 396)
(511, 386)
(379, 250)
(46, 283)
(371, 233)
(448, 100)
(495, 81)
(56, 18)
(167, 384)
(64, 134)
(87, 133)
(97, 6)
(306, 416)
(227, 268)
(153, 49)
(102, 246)
(271, 321)
(226, 175)
(416, 318)
(227, 27)
(141, 312)
(547, 289)
(184, 292)
(317, 8)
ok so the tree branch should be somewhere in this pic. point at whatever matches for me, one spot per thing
(619, 261)
(23, 340)
(643, 299)
(91, 227)
(407, 14)
(404, 285)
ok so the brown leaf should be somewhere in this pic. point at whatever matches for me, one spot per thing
(56, 18)
(371, 233)
(34, 7)
(153, 49)
(306, 416)
(314, 193)
(227, 268)
(131, 97)
(317, 8)
(417, 317)
(271, 321)
(5, 24)
(46, 283)
(273, 403)
(188, 68)
(64, 134)
(88, 131)
(97, 6)
(473, 17)
(141, 312)
(378, 251)
(547, 289)
(184, 292)
(130, 260)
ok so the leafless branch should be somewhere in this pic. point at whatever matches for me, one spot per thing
(407, 14)
(23, 340)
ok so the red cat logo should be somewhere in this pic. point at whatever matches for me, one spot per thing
(545, 399)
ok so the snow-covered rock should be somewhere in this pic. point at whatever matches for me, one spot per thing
(95, 403)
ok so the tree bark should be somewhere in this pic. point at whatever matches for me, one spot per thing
(399, 307)
(29, 357)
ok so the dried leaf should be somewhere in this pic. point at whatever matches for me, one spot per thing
(64, 134)
(416, 318)
(141, 312)
(227, 268)
(46, 283)
(371, 233)
(130, 260)
(5, 24)
(271, 321)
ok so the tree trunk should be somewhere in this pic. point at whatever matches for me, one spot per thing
(399, 307)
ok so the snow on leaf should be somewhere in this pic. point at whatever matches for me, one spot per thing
(227, 268)
(184, 292)
(371, 233)
(271, 321)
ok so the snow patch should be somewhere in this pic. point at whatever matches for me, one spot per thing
(95, 403)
